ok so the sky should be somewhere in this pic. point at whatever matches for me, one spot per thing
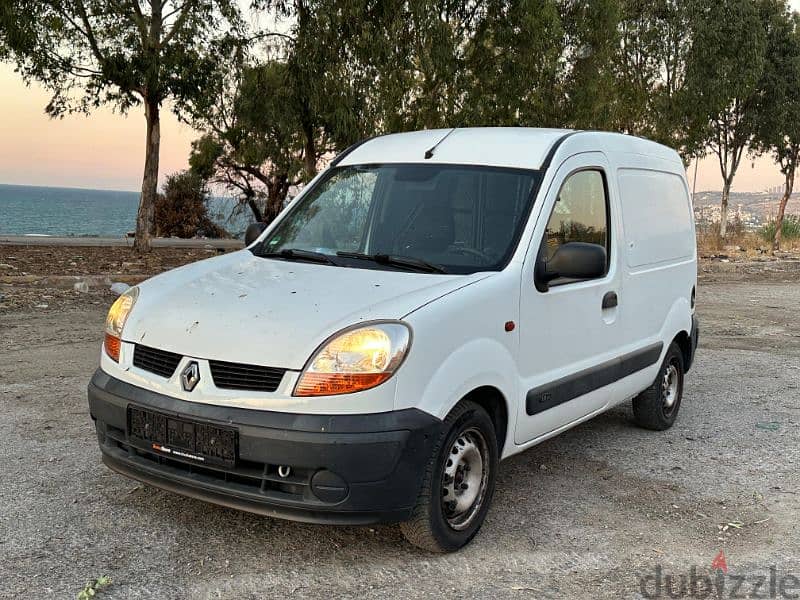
(106, 150)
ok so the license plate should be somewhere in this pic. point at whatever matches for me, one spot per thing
(183, 439)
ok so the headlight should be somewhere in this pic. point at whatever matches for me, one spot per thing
(355, 359)
(115, 321)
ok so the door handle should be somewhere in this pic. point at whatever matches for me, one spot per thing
(610, 300)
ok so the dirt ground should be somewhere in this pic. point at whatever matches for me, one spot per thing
(593, 513)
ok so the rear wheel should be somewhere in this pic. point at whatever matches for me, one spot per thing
(657, 407)
(459, 482)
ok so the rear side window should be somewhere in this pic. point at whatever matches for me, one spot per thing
(580, 213)
(656, 217)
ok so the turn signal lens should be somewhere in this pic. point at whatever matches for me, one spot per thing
(112, 345)
(356, 359)
(332, 384)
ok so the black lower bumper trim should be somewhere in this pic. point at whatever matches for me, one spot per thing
(223, 497)
(346, 469)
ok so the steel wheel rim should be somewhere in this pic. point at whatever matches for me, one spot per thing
(670, 386)
(464, 479)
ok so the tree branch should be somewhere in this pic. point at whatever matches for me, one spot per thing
(174, 11)
(266, 34)
(139, 20)
(89, 32)
(176, 27)
(71, 21)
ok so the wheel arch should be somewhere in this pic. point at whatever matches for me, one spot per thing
(684, 342)
(677, 328)
(492, 400)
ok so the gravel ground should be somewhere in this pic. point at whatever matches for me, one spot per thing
(587, 514)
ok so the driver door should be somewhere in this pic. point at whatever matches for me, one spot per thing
(569, 328)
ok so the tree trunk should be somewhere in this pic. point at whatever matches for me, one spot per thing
(251, 202)
(310, 153)
(787, 192)
(276, 196)
(723, 213)
(144, 218)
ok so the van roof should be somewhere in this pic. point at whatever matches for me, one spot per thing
(515, 147)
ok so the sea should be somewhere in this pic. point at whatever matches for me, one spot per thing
(58, 211)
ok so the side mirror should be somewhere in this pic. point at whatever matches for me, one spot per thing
(253, 231)
(573, 260)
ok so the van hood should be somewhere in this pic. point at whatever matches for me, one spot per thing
(242, 308)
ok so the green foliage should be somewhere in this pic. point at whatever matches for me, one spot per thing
(91, 588)
(651, 97)
(726, 58)
(514, 64)
(777, 111)
(592, 44)
(182, 211)
(789, 231)
(93, 52)
(725, 65)
(698, 75)
(368, 68)
(256, 141)
(682, 72)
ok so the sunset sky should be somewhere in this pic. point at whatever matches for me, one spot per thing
(106, 150)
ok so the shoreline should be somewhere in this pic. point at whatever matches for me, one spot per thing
(121, 242)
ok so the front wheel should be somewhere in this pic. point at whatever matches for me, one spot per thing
(458, 484)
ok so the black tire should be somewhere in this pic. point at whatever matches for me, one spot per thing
(657, 407)
(434, 524)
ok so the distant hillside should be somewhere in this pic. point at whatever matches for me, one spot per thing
(755, 207)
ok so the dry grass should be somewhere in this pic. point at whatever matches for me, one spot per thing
(709, 243)
(745, 243)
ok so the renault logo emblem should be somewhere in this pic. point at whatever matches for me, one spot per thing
(190, 376)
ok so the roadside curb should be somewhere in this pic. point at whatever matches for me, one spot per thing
(21, 240)
(69, 281)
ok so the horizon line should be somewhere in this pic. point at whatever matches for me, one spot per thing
(100, 189)
(69, 187)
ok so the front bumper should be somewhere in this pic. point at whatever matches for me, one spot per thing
(345, 469)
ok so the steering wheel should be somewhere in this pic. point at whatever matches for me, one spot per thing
(471, 252)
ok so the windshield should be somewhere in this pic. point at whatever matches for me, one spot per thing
(454, 219)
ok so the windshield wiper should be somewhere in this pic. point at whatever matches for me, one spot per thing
(298, 254)
(408, 262)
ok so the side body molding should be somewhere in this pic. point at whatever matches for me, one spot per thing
(572, 386)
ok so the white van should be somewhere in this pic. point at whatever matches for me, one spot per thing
(430, 304)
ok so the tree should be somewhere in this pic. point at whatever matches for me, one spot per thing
(181, 211)
(592, 44)
(286, 100)
(650, 74)
(254, 141)
(778, 107)
(514, 62)
(124, 53)
(724, 67)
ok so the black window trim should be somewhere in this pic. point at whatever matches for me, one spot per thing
(544, 287)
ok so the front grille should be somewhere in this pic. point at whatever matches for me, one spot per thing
(156, 361)
(235, 376)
